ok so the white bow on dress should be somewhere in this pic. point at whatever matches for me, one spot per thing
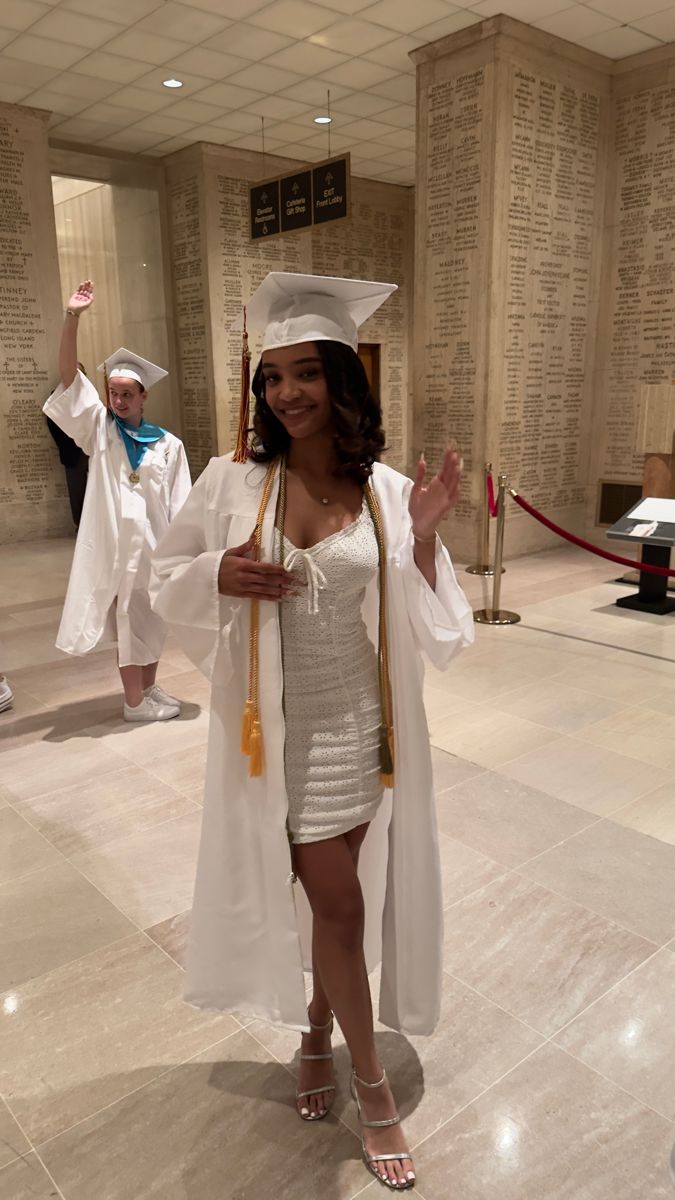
(316, 580)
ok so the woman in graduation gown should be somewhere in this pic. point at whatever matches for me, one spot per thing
(319, 844)
(138, 480)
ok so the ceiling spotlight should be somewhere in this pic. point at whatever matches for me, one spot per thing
(323, 120)
(172, 82)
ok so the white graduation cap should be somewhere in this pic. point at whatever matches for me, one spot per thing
(124, 364)
(312, 308)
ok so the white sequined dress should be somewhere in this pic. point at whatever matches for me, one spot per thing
(331, 692)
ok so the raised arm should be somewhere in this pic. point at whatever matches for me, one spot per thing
(79, 301)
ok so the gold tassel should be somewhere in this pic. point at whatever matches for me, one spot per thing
(246, 725)
(387, 756)
(106, 400)
(241, 449)
(255, 762)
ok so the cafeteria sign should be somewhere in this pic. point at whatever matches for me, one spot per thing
(300, 199)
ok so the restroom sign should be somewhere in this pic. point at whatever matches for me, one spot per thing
(300, 199)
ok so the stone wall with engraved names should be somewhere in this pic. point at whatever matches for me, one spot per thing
(33, 497)
(511, 183)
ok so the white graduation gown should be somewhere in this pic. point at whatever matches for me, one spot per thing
(120, 525)
(245, 947)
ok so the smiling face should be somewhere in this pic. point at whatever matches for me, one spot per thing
(296, 389)
(127, 398)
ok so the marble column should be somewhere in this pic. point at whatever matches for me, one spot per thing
(33, 496)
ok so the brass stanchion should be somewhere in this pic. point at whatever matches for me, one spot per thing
(483, 567)
(497, 615)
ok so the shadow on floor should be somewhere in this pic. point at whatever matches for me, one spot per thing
(83, 718)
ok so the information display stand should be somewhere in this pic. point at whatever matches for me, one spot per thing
(652, 523)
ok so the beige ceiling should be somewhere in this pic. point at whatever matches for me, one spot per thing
(98, 65)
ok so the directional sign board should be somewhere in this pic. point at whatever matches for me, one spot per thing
(265, 209)
(296, 201)
(311, 196)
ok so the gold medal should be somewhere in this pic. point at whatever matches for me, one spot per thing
(134, 477)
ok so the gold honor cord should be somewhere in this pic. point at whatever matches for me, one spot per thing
(241, 448)
(251, 730)
(386, 701)
(251, 733)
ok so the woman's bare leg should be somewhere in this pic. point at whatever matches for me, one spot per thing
(149, 675)
(313, 1074)
(132, 682)
(327, 870)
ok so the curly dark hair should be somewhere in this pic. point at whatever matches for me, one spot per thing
(358, 435)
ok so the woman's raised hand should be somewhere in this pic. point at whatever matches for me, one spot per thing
(241, 576)
(82, 298)
(431, 502)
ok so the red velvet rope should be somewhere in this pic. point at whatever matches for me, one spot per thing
(492, 503)
(570, 537)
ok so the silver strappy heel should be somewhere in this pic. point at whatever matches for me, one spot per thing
(371, 1159)
(328, 1087)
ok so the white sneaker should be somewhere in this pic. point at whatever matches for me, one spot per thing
(157, 693)
(150, 710)
(6, 695)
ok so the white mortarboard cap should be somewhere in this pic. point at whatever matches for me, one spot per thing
(124, 364)
(312, 308)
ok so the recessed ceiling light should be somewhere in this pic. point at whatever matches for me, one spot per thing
(172, 82)
(323, 120)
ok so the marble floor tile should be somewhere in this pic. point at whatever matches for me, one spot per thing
(22, 849)
(64, 683)
(183, 770)
(627, 1035)
(49, 918)
(629, 683)
(537, 955)
(507, 821)
(47, 614)
(440, 703)
(42, 766)
(13, 1143)
(27, 646)
(149, 876)
(140, 742)
(589, 776)
(482, 679)
(550, 1130)
(450, 770)
(172, 935)
(557, 706)
(463, 870)
(623, 875)
(26, 1179)
(653, 814)
(114, 805)
(118, 1020)
(487, 737)
(190, 687)
(639, 733)
(220, 1126)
